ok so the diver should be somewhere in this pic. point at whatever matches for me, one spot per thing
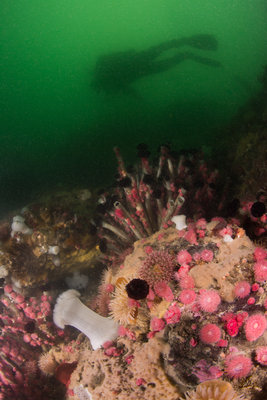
(116, 71)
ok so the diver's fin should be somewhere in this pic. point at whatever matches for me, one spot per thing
(206, 61)
(202, 42)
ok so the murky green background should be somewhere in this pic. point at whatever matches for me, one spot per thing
(57, 132)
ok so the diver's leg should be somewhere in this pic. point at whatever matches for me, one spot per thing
(205, 60)
(201, 41)
(164, 65)
(155, 51)
(167, 63)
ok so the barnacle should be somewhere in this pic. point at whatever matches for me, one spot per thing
(215, 389)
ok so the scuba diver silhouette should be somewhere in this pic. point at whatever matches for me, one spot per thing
(116, 71)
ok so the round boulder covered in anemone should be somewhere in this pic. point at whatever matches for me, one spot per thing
(218, 308)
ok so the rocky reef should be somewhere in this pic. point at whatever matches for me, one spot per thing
(180, 311)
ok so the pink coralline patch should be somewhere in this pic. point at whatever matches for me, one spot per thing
(183, 270)
(113, 351)
(133, 303)
(150, 298)
(148, 250)
(258, 231)
(238, 366)
(260, 270)
(197, 256)
(164, 291)
(219, 219)
(109, 288)
(140, 382)
(255, 326)
(18, 317)
(209, 300)
(107, 344)
(261, 355)
(151, 295)
(193, 342)
(151, 334)
(187, 282)
(158, 266)
(210, 333)
(260, 254)
(8, 289)
(235, 221)
(191, 236)
(242, 289)
(183, 257)
(26, 338)
(201, 233)
(241, 317)
(206, 255)
(233, 322)
(205, 372)
(201, 223)
(173, 314)
(129, 358)
(19, 299)
(122, 331)
(255, 287)
(5, 302)
(187, 296)
(226, 231)
(119, 213)
(232, 327)
(222, 343)
(251, 301)
(157, 324)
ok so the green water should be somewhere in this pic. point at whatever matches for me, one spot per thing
(56, 131)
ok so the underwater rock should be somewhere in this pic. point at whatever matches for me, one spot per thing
(203, 294)
(48, 241)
